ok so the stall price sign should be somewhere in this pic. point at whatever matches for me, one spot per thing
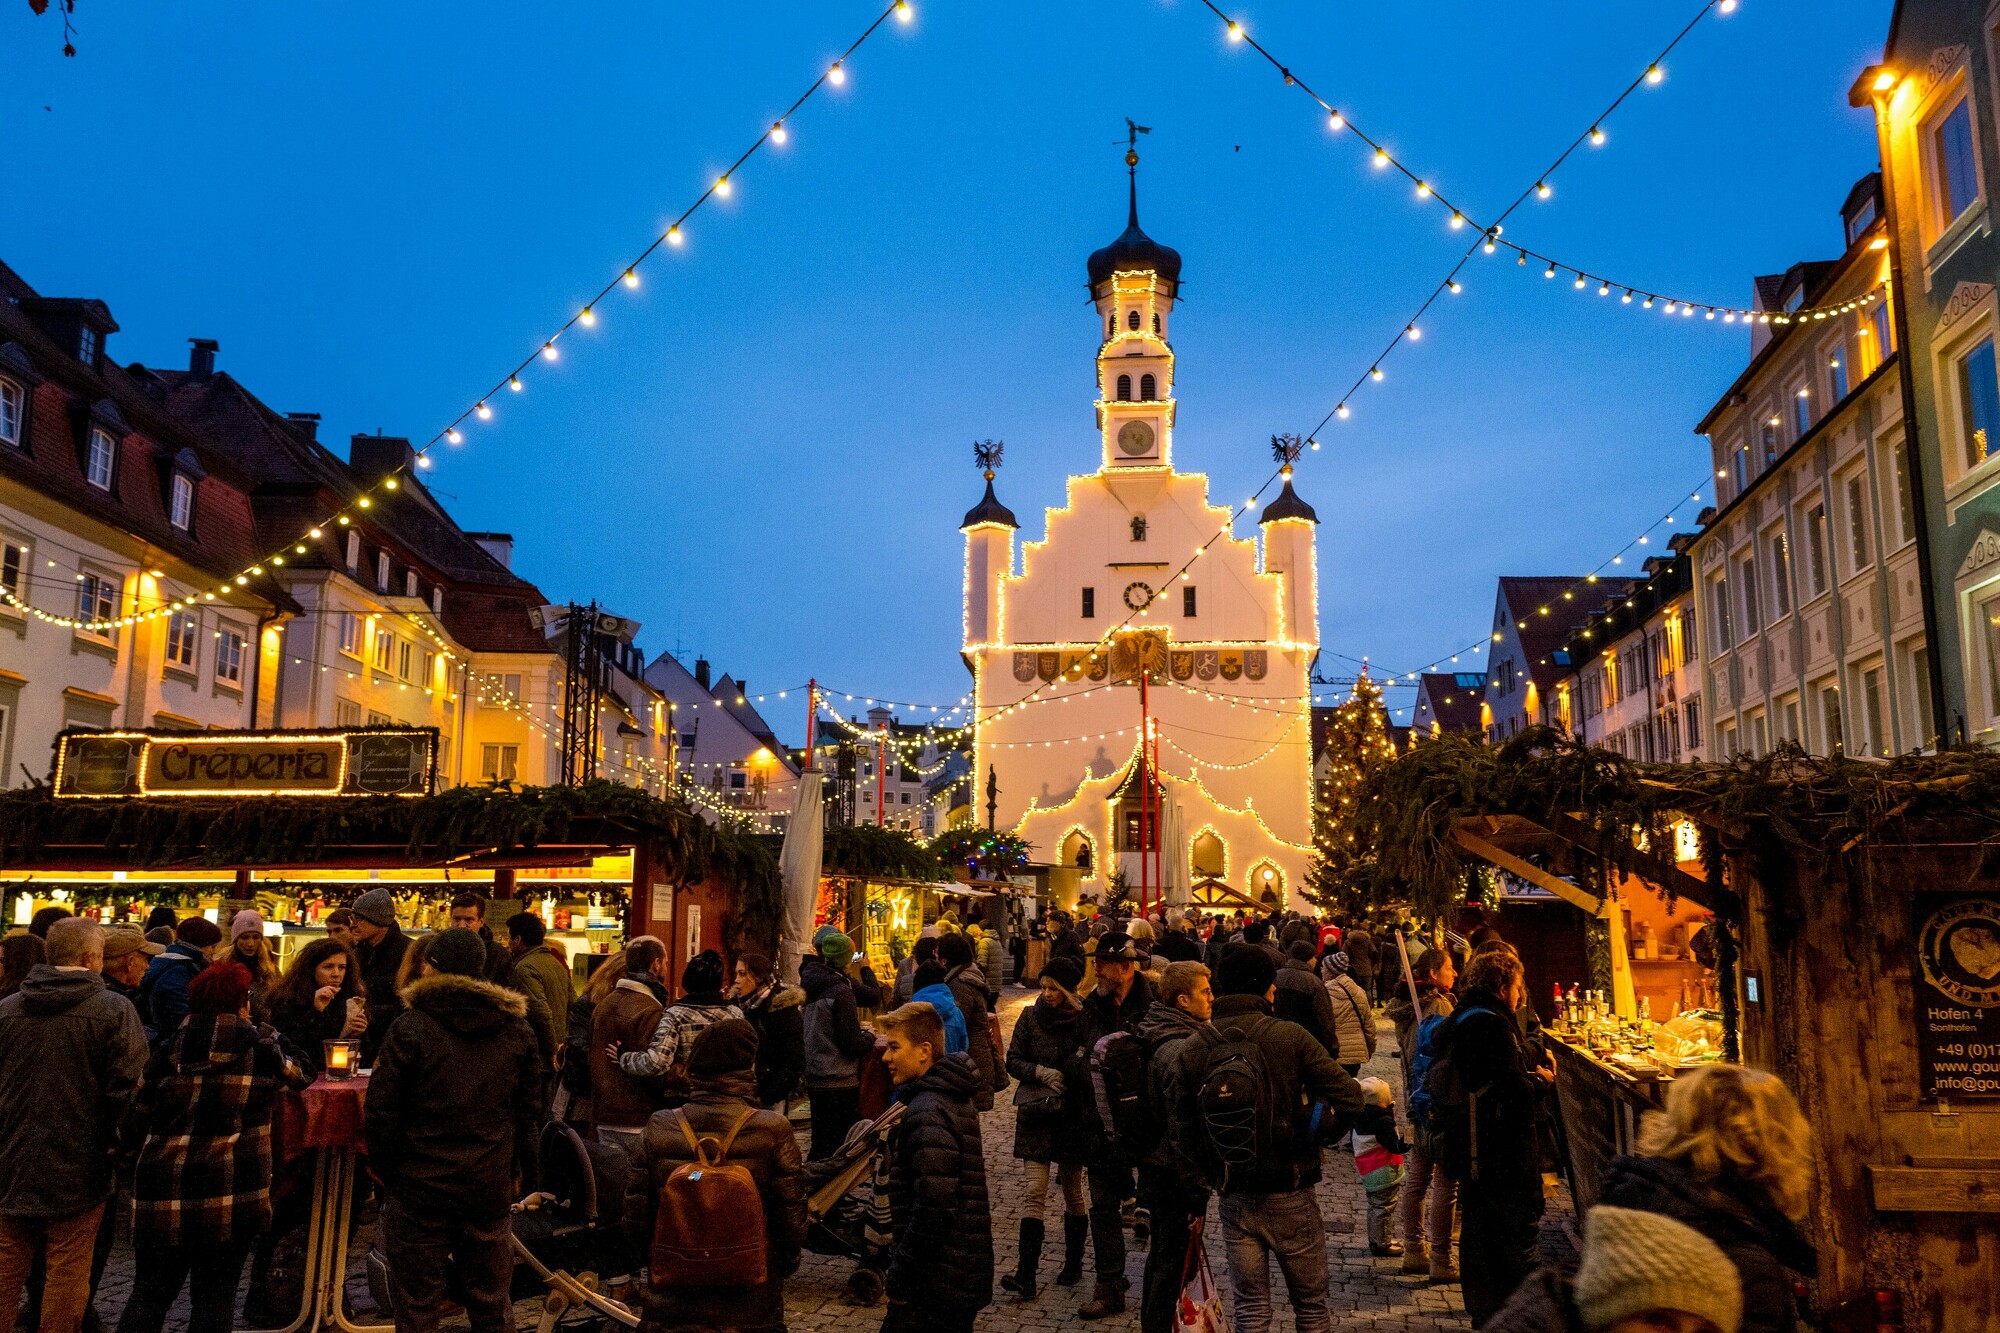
(384, 761)
(1958, 995)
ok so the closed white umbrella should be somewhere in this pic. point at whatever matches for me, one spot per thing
(798, 864)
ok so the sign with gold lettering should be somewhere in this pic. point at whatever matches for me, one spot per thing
(387, 761)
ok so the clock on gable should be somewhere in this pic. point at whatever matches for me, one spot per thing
(1135, 439)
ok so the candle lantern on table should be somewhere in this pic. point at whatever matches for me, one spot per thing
(343, 1057)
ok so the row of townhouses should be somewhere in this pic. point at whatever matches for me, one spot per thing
(175, 554)
(1843, 593)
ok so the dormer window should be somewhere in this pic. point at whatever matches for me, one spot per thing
(87, 345)
(13, 412)
(1124, 388)
(353, 551)
(409, 583)
(1132, 320)
(180, 501)
(101, 462)
(1148, 388)
(382, 570)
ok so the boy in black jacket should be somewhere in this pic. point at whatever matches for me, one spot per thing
(941, 1266)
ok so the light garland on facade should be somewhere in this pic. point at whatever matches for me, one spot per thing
(481, 410)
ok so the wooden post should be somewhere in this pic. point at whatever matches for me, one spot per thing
(1612, 912)
(503, 882)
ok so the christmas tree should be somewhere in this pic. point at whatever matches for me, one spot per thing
(1342, 876)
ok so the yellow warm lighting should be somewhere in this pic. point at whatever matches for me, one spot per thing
(1884, 81)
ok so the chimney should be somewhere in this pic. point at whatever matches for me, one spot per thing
(305, 423)
(499, 545)
(701, 672)
(201, 357)
(375, 456)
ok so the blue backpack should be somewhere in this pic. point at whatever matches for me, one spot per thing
(1420, 1067)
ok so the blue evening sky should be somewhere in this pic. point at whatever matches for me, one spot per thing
(763, 454)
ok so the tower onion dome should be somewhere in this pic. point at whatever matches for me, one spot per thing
(1135, 250)
(989, 510)
(1287, 505)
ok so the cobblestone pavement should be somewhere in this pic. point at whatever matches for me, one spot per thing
(1367, 1293)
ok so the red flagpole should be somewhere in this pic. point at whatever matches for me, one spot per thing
(812, 718)
(1145, 792)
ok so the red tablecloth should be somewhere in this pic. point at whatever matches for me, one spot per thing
(326, 1115)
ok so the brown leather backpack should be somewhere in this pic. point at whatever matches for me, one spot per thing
(709, 1230)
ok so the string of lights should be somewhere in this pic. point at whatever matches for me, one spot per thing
(1458, 218)
(481, 410)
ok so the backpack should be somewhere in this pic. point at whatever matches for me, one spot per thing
(1421, 1060)
(1452, 1107)
(1118, 1080)
(1233, 1102)
(709, 1230)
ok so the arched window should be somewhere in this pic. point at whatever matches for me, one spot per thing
(1146, 388)
(1207, 857)
(1132, 319)
(1156, 324)
(1124, 388)
(1111, 326)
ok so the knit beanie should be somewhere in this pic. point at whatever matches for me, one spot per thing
(1244, 969)
(1635, 1262)
(246, 922)
(833, 947)
(376, 906)
(1338, 962)
(458, 951)
(1065, 972)
(703, 974)
(727, 1047)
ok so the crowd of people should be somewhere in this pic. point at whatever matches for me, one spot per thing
(1164, 1064)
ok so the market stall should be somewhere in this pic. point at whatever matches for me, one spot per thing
(1839, 927)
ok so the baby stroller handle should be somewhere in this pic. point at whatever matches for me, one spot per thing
(575, 1291)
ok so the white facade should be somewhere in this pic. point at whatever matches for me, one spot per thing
(1226, 647)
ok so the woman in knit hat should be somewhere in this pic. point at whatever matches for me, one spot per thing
(1048, 1123)
(836, 1042)
(1641, 1273)
(249, 946)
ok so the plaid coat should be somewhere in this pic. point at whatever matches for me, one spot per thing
(200, 1127)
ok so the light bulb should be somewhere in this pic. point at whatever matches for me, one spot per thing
(549, 351)
(586, 316)
(631, 278)
(1655, 74)
(1542, 190)
(1381, 157)
(514, 383)
(423, 461)
(1596, 135)
(1579, 282)
(836, 75)
(1335, 121)
(904, 13)
(1604, 289)
(1549, 272)
(1341, 411)
(1489, 245)
(778, 133)
(454, 436)
(1627, 297)
(1453, 286)
(722, 186)
(1414, 332)
(1423, 190)
(674, 236)
(1235, 31)
(1375, 373)
(1457, 219)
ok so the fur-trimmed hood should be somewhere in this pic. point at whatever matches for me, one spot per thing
(467, 1005)
(786, 997)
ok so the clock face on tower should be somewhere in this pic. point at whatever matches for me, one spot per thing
(1135, 439)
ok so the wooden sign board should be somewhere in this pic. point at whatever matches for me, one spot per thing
(382, 761)
(1957, 981)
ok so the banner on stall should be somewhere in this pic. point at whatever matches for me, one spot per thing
(378, 761)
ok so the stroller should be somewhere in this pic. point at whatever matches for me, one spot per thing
(569, 1237)
(848, 1207)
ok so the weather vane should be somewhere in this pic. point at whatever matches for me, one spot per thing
(1133, 129)
(1285, 449)
(986, 455)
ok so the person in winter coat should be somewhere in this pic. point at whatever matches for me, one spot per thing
(992, 960)
(469, 910)
(1359, 946)
(1268, 1208)
(1731, 1157)
(127, 955)
(1171, 1193)
(1378, 1160)
(1117, 1002)
(723, 1099)
(701, 1004)
(164, 989)
(777, 1012)
(310, 1004)
(249, 946)
(932, 990)
(835, 1041)
(200, 1131)
(968, 987)
(1047, 1119)
(1424, 1210)
(1500, 1161)
(451, 1118)
(70, 1054)
(380, 944)
(19, 955)
(923, 951)
(539, 972)
(1303, 999)
(1641, 1273)
(941, 1264)
(627, 1017)
(1353, 1014)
